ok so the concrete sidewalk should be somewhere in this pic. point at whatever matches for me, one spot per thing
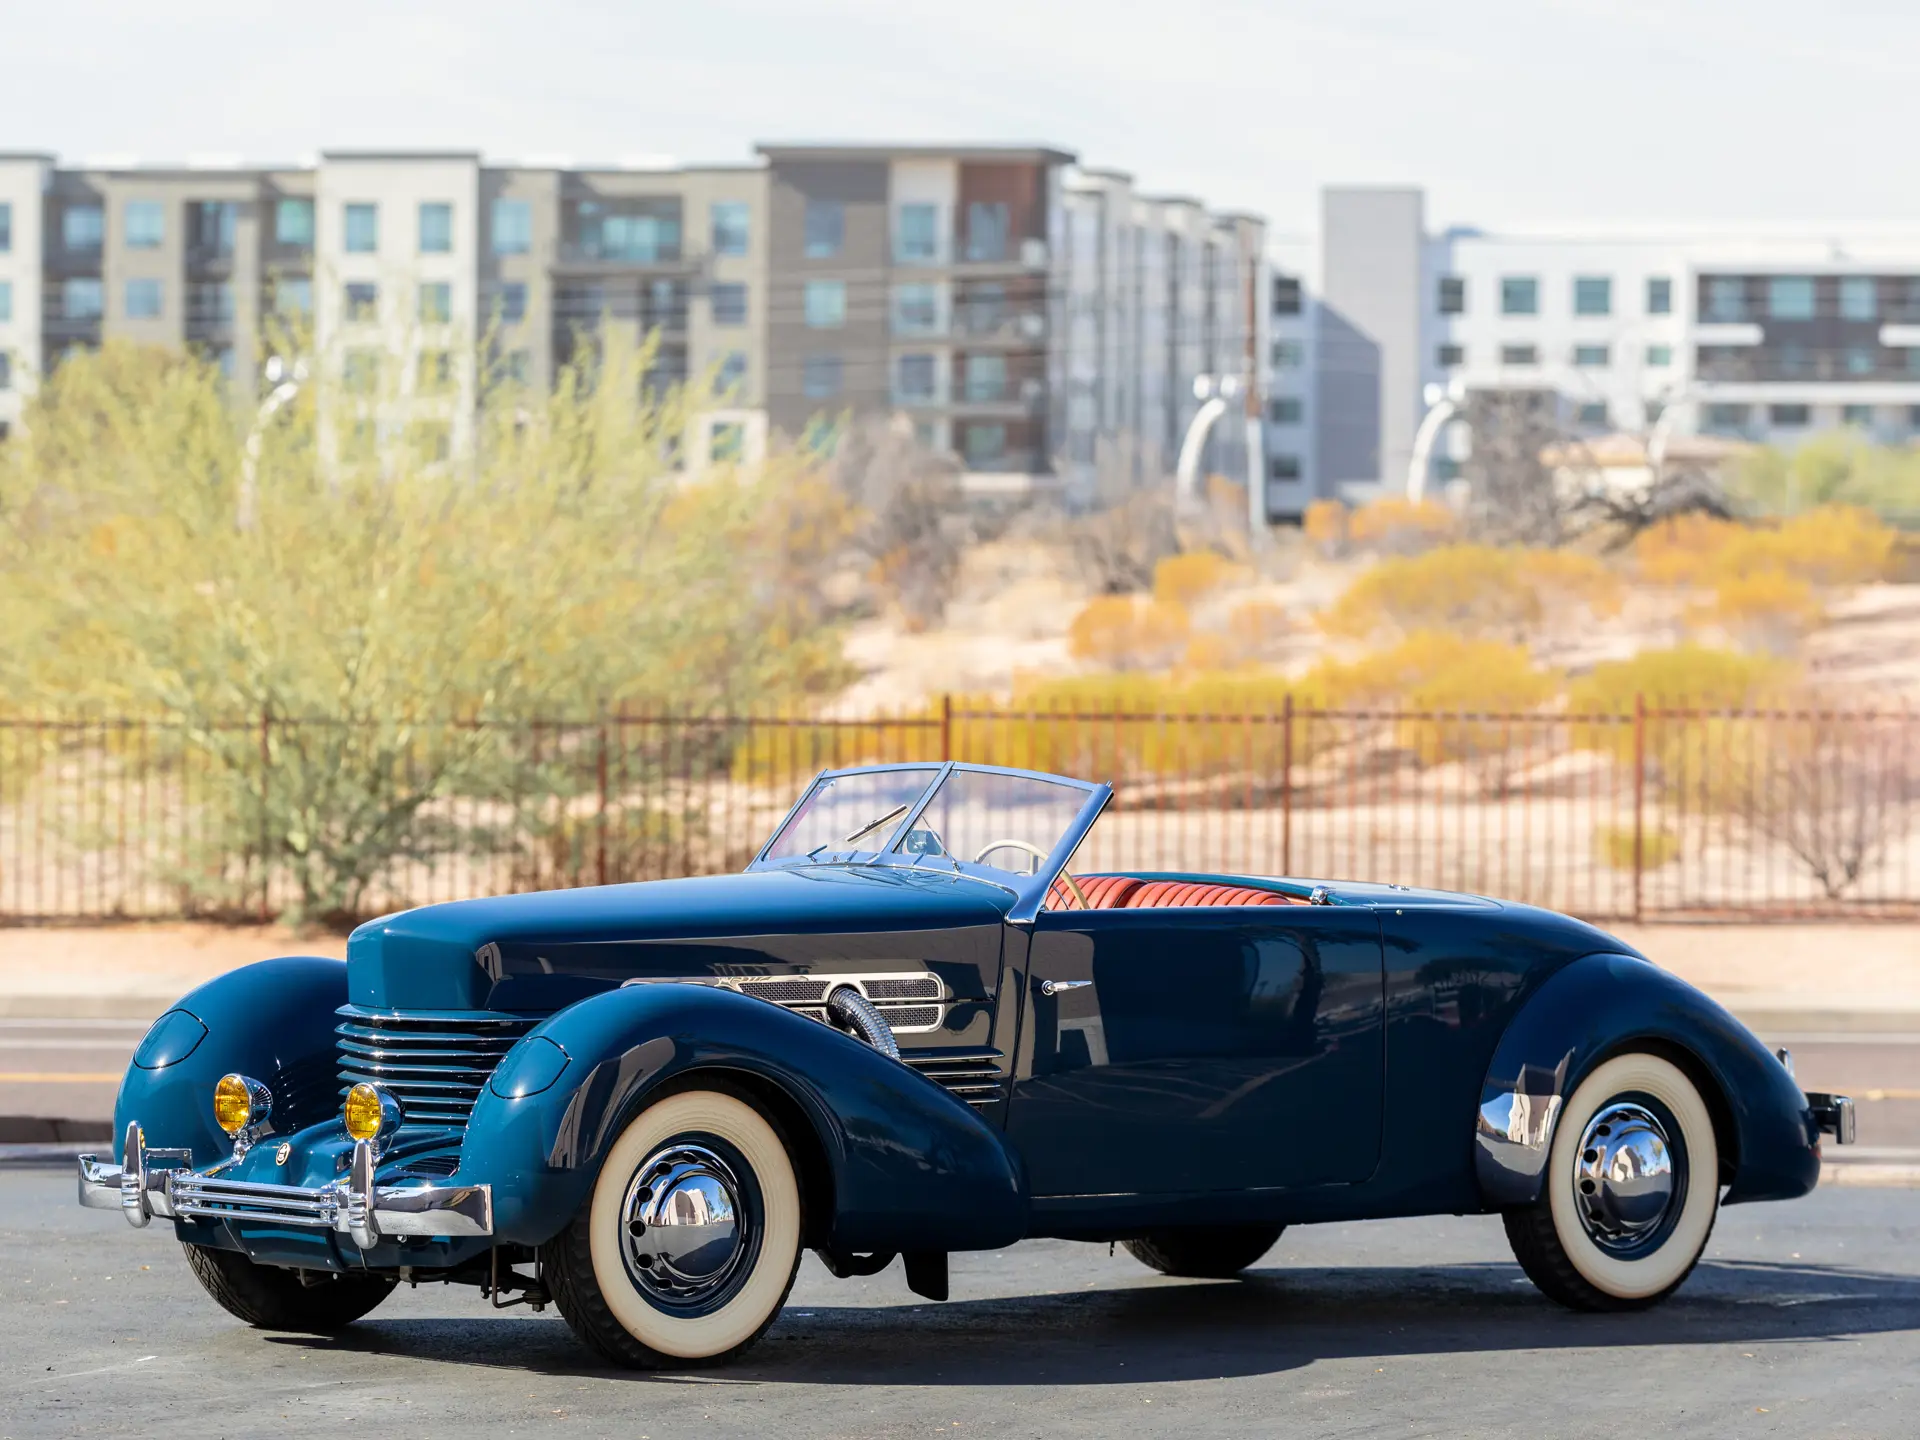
(1780, 979)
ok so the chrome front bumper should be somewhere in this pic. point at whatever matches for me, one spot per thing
(1832, 1115)
(147, 1183)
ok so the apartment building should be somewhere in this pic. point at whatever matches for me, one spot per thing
(1762, 335)
(929, 282)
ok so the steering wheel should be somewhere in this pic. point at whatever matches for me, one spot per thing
(1039, 858)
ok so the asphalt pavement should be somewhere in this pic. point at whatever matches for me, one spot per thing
(1803, 1321)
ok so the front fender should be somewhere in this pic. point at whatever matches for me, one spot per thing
(272, 1020)
(907, 1166)
(1603, 1004)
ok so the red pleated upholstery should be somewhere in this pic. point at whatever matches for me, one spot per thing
(1129, 892)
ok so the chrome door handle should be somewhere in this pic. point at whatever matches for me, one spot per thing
(1054, 987)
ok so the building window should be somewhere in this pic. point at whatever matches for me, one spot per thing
(293, 223)
(81, 298)
(726, 442)
(1450, 357)
(826, 229)
(362, 233)
(826, 304)
(1286, 410)
(210, 302)
(6, 227)
(731, 220)
(1590, 357)
(1592, 295)
(1859, 298)
(913, 379)
(146, 224)
(1861, 415)
(6, 301)
(1726, 299)
(730, 303)
(1593, 413)
(82, 228)
(1659, 356)
(820, 377)
(986, 378)
(518, 367)
(512, 227)
(732, 374)
(436, 227)
(1288, 354)
(6, 379)
(360, 371)
(1453, 295)
(293, 295)
(513, 301)
(1790, 297)
(1659, 295)
(1913, 417)
(1283, 467)
(916, 309)
(435, 375)
(984, 445)
(1519, 295)
(1287, 297)
(363, 300)
(988, 230)
(1861, 360)
(1790, 417)
(436, 302)
(916, 234)
(1519, 355)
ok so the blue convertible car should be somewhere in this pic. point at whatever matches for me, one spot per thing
(909, 1029)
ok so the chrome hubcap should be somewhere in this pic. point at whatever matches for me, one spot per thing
(686, 1230)
(1626, 1177)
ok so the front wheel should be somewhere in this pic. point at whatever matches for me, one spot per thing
(1630, 1192)
(1212, 1252)
(688, 1244)
(273, 1298)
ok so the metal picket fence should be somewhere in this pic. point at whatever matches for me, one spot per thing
(1654, 812)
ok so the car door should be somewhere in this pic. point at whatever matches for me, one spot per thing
(1178, 1051)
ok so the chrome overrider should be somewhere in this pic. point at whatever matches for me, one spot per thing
(150, 1182)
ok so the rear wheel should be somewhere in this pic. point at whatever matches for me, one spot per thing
(1212, 1252)
(1630, 1192)
(688, 1244)
(274, 1298)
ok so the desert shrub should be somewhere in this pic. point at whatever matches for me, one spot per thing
(1182, 580)
(1835, 545)
(1325, 526)
(1763, 610)
(1614, 845)
(1570, 583)
(1684, 550)
(1395, 525)
(1697, 676)
(1255, 632)
(1470, 589)
(1837, 467)
(1128, 632)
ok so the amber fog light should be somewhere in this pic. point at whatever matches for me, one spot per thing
(239, 1103)
(369, 1112)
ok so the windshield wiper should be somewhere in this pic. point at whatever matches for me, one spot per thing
(872, 825)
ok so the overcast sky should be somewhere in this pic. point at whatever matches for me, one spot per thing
(1512, 113)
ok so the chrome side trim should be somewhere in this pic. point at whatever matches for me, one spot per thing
(354, 1206)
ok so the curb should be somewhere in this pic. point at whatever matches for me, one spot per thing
(1870, 1174)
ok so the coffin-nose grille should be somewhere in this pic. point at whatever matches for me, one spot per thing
(434, 1064)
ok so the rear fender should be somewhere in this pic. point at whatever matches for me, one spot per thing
(907, 1166)
(273, 1021)
(1602, 1005)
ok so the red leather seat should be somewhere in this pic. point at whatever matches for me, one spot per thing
(1129, 892)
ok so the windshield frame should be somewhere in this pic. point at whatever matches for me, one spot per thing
(1029, 892)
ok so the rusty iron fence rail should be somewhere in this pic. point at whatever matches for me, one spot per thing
(1653, 812)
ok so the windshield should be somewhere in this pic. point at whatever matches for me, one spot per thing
(1003, 822)
(852, 812)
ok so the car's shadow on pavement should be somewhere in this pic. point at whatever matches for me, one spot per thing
(1270, 1321)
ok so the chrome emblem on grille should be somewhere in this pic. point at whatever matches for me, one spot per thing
(281, 1155)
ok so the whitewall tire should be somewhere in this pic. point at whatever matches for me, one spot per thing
(688, 1244)
(1630, 1192)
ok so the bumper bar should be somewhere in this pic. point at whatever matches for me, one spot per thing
(141, 1188)
(1832, 1115)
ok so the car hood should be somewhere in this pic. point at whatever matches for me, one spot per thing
(453, 956)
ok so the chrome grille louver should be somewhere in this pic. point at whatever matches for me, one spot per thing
(434, 1063)
(974, 1076)
(911, 1001)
